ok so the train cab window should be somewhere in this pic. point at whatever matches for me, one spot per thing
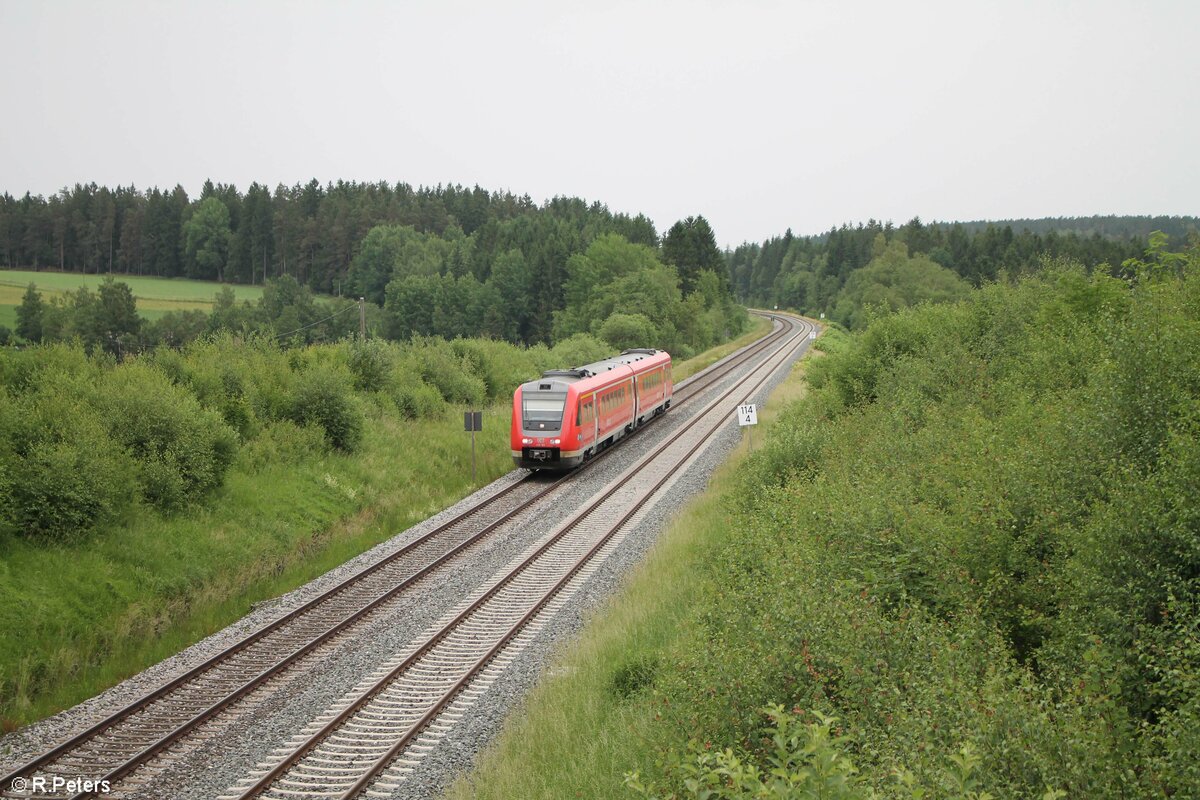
(544, 412)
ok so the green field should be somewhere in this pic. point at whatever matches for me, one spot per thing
(155, 296)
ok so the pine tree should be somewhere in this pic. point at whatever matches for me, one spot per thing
(29, 315)
(691, 247)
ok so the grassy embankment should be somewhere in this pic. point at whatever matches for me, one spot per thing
(155, 296)
(975, 544)
(79, 615)
(78, 618)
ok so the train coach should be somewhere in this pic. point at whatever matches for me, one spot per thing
(569, 415)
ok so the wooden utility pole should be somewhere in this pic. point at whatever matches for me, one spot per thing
(362, 318)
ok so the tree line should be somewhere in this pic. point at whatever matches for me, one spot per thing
(563, 269)
(447, 243)
(915, 262)
(309, 231)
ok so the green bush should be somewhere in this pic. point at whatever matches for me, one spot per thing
(449, 372)
(633, 676)
(322, 397)
(370, 363)
(623, 331)
(978, 530)
(182, 450)
(63, 473)
(23, 370)
(249, 383)
(280, 444)
(500, 365)
(580, 349)
(806, 762)
(416, 399)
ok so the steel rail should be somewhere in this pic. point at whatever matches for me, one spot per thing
(265, 781)
(705, 378)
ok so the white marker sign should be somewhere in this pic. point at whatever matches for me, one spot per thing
(812, 334)
(748, 414)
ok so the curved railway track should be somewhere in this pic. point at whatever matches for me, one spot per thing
(375, 738)
(118, 745)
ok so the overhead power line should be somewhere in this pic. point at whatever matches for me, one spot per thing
(318, 322)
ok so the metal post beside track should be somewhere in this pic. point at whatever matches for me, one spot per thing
(472, 421)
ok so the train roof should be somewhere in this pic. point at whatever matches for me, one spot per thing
(626, 358)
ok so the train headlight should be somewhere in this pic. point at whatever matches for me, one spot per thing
(554, 441)
(527, 441)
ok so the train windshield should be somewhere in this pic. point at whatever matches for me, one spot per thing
(544, 412)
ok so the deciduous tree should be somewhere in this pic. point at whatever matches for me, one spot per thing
(207, 239)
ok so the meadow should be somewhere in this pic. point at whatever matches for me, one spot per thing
(155, 296)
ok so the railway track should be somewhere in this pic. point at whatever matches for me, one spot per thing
(382, 731)
(118, 745)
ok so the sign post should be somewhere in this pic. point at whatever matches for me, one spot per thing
(748, 415)
(472, 421)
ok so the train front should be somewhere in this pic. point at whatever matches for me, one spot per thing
(539, 425)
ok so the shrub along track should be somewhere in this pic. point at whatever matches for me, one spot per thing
(115, 747)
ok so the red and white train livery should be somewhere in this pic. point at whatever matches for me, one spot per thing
(568, 415)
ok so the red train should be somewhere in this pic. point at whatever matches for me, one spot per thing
(568, 415)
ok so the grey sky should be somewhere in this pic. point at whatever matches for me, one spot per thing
(759, 115)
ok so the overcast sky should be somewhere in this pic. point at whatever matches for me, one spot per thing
(759, 115)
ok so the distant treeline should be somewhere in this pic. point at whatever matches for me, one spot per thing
(445, 243)
(1108, 226)
(309, 231)
(842, 272)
